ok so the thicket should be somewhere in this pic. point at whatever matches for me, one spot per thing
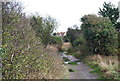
(72, 34)
(23, 54)
(100, 34)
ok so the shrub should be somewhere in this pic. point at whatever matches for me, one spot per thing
(72, 34)
(24, 55)
(99, 34)
(56, 40)
(80, 45)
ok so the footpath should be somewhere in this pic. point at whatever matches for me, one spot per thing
(80, 70)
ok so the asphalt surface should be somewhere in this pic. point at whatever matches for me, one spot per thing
(81, 71)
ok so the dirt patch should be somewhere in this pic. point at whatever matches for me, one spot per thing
(65, 46)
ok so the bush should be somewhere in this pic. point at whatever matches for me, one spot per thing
(72, 34)
(56, 40)
(99, 34)
(81, 45)
(24, 55)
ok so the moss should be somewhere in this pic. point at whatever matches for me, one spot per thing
(72, 63)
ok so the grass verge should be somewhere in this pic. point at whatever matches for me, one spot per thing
(105, 66)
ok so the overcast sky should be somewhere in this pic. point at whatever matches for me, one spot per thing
(67, 12)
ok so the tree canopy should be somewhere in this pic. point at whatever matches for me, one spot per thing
(44, 28)
(110, 11)
(99, 34)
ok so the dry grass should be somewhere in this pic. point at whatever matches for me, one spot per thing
(53, 48)
(65, 46)
(108, 64)
(53, 66)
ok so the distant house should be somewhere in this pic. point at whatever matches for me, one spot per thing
(60, 34)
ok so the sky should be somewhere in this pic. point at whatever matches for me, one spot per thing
(66, 12)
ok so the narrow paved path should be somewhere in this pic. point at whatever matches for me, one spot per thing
(81, 71)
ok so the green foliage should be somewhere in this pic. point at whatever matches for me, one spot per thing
(97, 70)
(2, 52)
(71, 51)
(56, 40)
(109, 10)
(119, 40)
(23, 54)
(81, 44)
(103, 67)
(79, 41)
(72, 34)
(99, 34)
(72, 63)
(44, 27)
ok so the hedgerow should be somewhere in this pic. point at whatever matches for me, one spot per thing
(24, 56)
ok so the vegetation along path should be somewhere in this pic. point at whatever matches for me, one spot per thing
(77, 69)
